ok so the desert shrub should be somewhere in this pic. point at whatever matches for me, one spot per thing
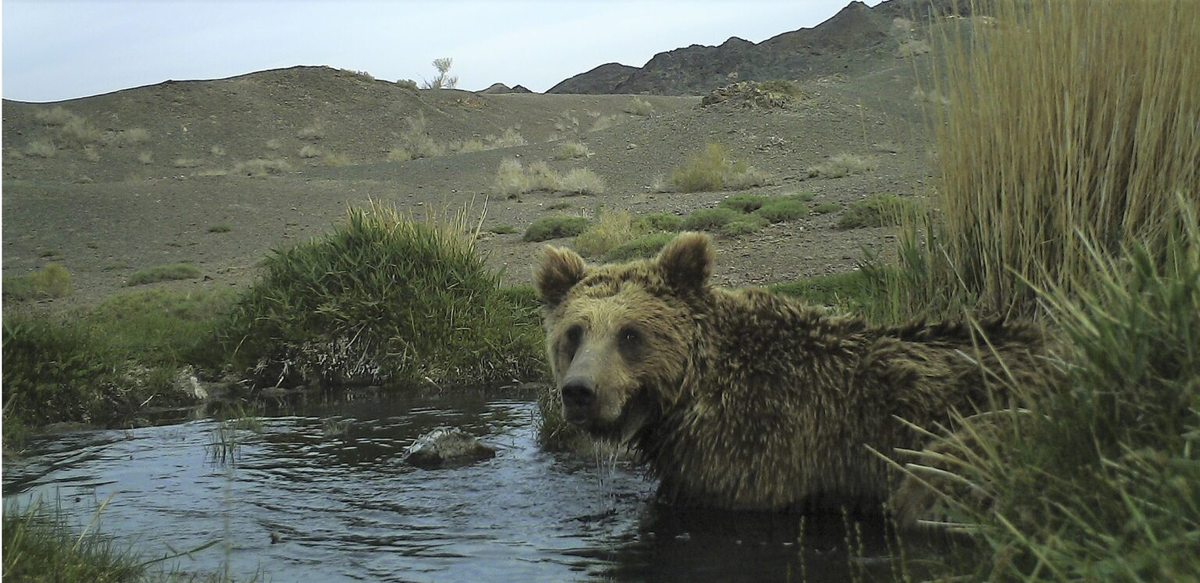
(510, 138)
(259, 167)
(663, 222)
(741, 227)
(604, 122)
(51, 281)
(416, 142)
(129, 137)
(313, 132)
(743, 202)
(877, 210)
(217, 151)
(310, 151)
(826, 208)
(41, 148)
(841, 165)
(609, 229)
(408, 84)
(510, 178)
(639, 106)
(568, 150)
(504, 229)
(335, 160)
(55, 116)
(163, 273)
(640, 248)
(710, 219)
(582, 181)
(713, 170)
(443, 80)
(384, 297)
(555, 227)
(782, 209)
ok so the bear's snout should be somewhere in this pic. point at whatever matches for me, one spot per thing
(578, 397)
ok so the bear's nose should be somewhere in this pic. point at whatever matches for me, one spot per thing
(578, 394)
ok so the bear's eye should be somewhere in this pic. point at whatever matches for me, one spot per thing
(629, 340)
(574, 337)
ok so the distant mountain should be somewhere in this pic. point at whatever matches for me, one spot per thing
(856, 34)
(499, 88)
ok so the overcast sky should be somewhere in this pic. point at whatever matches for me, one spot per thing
(57, 49)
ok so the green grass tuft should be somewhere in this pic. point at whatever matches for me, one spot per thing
(163, 273)
(663, 222)
(743, 202)
(710, 219)
(879, 210)
(555, 227)
(642, 247)
(51, 281)
(783, 209)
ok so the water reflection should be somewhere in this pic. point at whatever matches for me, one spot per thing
(320, 494)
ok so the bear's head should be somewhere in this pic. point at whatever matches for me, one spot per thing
(620, 337)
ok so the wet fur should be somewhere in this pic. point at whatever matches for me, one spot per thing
(756, 401)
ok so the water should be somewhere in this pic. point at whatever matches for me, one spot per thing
(321, 494)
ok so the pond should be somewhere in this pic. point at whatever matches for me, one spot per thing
(320, 493)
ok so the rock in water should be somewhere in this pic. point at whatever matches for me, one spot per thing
(445, 447)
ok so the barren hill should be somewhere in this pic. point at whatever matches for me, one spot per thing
(855, 39)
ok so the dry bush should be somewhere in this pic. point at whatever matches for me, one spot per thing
(712, 169)
(259, 167)
(78, 132)
(582, 181)
(604, 122)
(41, 148)
(750, 177)
(309, 152)
(842, 165)
(55, 116)
(130, 137)
(608, 229)
(145, 157)
(408, 84)
(335, 160)
(511, 138)
(568, 150)
(513, 179)
(639, 106)
(510, 178)
(217, 151)
(312, 133)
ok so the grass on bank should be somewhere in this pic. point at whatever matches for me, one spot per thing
(385, 298)
(39, 547)
(1066, 186)
(163, 273)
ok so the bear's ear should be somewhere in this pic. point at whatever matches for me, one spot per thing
(558, 271)
(686, 262)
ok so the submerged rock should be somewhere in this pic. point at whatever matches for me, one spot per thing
(445, 447)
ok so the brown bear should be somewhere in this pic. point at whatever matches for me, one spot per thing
(742, 399)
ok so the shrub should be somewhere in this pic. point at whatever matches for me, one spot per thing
(610, 229)
(741, 227)
(568, 150)
(642, 247)
(713, 170)
(41, 148)
(582, 181)
(259, 168)
(385, 298)
(783, 209)
(878, 210)
(663, 222)
(555, 227)
(443, 80)
(710, 219)
(55, 116)
(51, 281)
(130, 137)
(743, 202)
(639, 106)
(841, 165)
(503, 229)
(826, 208)
(510, 178)
(407, 84)
(310, 152)
(511, 138)
(163, 273)
(314, 132)
(335, 160)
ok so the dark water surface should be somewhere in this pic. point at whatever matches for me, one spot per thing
(328, 482)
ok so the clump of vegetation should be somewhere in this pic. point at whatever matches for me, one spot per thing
(55, 116)
(841, 165)
(742, 226)
(743, 202)
(310, 151)
(573, 149)
(642, 247)
(782, 209)
(407, 84)
(186, 163)
(335, 159)
(851, 291)
(663, 222)
(51, 281)
(222, 228)
(826, 208)
(639, 106)
(41, 148)
(712, 169)
(313, 132)
(513, 179)
(774, 93)
(878, 210)
(443, 80)
(710, 219)
(163, 273)
(504, 229)
(1031, 214)
(555, 227)
(261, 168)
(609, 229)
(385, 298)
(39, 547)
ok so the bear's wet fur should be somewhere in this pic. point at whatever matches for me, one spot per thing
(743, 399)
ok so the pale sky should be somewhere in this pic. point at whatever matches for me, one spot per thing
(59, 49)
